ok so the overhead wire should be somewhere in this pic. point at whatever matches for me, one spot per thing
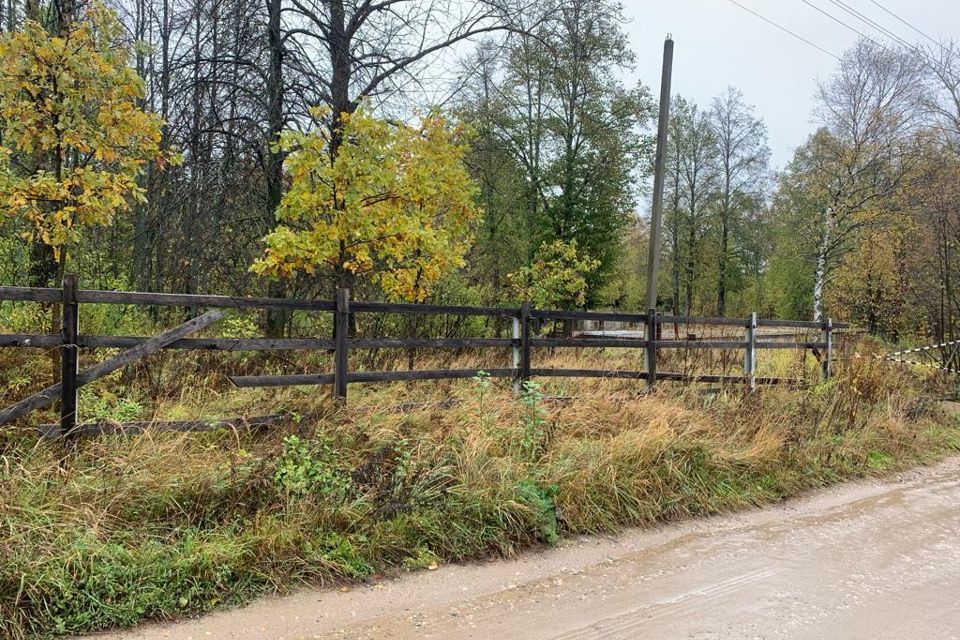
(785, 29)
(860, 16)
(841, 22)
(898, 18)
(870, 22)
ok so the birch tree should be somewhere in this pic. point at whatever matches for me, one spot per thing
(869, 109)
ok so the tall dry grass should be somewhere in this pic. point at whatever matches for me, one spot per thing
(118, 529)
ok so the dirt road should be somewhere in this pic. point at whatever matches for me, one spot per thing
(872, 560)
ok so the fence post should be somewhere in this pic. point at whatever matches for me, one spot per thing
(750, 358)
(517, 338)
(651, 347)
(828, 356)
(341, 355)
(69, 356)
(524, 342)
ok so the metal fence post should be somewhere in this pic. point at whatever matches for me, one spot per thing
(69, 356)
(828, 355)
(750, 358)
(651, 347)
(341, 355)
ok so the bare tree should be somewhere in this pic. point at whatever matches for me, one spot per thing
(349, 52)
(942, 83)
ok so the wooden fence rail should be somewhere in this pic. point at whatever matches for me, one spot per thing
(521, 343)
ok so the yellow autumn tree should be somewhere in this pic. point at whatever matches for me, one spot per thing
(557, 278)
(74, 138)
(869, 286)
(392, 202)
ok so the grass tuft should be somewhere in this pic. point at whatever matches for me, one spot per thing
(120, 530)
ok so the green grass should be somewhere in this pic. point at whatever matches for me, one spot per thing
(120, 530)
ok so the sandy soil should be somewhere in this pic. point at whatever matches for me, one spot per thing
(871, 560)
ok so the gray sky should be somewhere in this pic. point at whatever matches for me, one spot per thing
(719, 44)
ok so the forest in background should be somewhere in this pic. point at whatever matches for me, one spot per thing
(511, 120)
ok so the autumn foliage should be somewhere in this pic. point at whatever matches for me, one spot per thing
(75, 139)
(394, 202)
(557, 278)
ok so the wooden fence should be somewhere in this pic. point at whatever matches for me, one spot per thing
(521, 343)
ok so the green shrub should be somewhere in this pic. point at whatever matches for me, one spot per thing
(308, 468)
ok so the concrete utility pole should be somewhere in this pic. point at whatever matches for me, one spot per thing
(656, 211)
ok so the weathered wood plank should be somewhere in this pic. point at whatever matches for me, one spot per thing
(364, 376)
(30, 340)
(704, 320)
(733, 379)
(291, 380)
(390, 307)
(772, 344)
(208, 344)
(613, 334)
(611, 316)
(523, 373)
(427, 374)
(293, 344)
(828, 350)
(416, 343)
(47, 397)
(744, 322)
(150, 346)
(801, 324)
(36, 294)
(650, 356)
(70, 354)
(589, 373)
(139, 427)
(701, 344)
(341, 357)
(30, 294)
(200, 300)
(750, 355)
(588, 342)
(660, 375)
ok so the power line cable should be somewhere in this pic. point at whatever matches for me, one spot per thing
(785, 30)
(887, 32)
(841, 22)
(871, 23)
(896, 17)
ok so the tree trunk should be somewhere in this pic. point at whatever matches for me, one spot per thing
(724, 252)
(43, 265)
(691, 266)
(820, 272)
(276, 319)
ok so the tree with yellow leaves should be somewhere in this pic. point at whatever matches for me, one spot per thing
(73, 140)
(558, 276)
(395, 203)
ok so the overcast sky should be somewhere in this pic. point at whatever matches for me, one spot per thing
(719, 44)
